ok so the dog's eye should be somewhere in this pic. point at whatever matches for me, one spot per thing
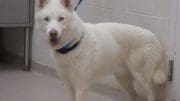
(46, 19)
(60, 19)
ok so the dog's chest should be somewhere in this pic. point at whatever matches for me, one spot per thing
(78, 68)
(98, 58)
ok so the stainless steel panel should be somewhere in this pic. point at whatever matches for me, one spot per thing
(14, 12)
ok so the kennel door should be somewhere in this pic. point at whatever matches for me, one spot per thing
(14, 11)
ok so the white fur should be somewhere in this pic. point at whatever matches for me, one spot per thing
(104, 47)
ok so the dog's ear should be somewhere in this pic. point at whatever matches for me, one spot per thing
(67, 4)
(41, 3)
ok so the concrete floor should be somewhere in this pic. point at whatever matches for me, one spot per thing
(18, 85)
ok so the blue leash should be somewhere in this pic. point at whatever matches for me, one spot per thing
(78, 4)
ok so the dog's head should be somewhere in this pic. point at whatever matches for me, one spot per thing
(53, 17)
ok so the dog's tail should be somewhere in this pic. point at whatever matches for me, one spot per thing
(160, 74)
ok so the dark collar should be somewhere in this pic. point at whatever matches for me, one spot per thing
(69, 47)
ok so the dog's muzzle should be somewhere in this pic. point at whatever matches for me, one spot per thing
(54, 37)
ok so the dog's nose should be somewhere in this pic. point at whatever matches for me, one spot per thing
(53, 34)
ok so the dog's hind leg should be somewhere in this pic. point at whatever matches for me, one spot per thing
(125, 82)
(141, 65)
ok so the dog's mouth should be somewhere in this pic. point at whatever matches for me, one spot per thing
(54, 41)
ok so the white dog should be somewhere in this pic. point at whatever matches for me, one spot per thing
(86, 52)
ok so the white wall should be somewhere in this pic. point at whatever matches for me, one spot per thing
(176, 81)
(150, 14)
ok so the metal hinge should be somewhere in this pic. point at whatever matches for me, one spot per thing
(171, 69)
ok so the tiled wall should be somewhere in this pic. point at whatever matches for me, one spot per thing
(150, 14)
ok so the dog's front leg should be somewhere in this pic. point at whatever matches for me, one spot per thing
(79, 94)
(71, 89)
(76, 93)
